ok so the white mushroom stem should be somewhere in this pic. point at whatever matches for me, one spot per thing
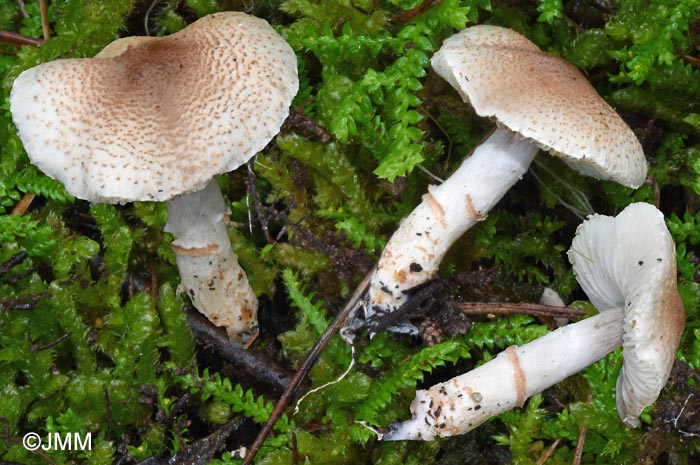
(463, 403)
(209, 269)
(416, 249)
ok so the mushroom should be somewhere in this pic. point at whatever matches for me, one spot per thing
(157, 119)
(626, 265)
(539, 101)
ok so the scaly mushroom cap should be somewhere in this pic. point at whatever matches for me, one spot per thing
(155, 118)
(629, 261)
(544, 99)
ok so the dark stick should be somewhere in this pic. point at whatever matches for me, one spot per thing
(257, 206)
(14, 260)
(301, 123)
(510, 308)
(13, 38)
(254, 364)
(14, 279)
(320, 346)
(37, 348)
(24, 302)
(176, 410)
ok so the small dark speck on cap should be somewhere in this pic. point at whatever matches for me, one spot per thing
(641, 262)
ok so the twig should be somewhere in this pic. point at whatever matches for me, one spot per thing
(581, 439)
(253, 195)
(13, 38)
(691, 60)
(298, 121)
(295, 449)
(252, 363)
(37, 348)
(6, 424)
(412, 308)
(509, 308)
(168, 422)
(320, 346)
(153, 291)
(413, 13)
(45, 26)
(14, 279)
(24, 302)
(201, 451)
(108, 408)
(14, 260)
(548, 452)
(23, 204)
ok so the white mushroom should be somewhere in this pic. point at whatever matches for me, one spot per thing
(541, 102)
(155, 118)
(626, 265)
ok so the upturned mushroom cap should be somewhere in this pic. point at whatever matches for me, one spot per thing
(543, 98)
(157, 117)
(629, 262)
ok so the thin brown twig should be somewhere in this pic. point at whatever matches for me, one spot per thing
(48, 345)
(548, 452)
(320, 346)
(413, 13)
(510, 308)
(580, 440)
(153, 291)
(257, 205)
(23, 204)
(12, 38)
(298, 121)
(45, 26)
(691, 60)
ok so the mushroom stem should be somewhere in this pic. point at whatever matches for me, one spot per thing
(209, 269)
(414, 252)
(463, 403)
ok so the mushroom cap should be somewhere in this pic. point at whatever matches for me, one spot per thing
(157, 117)
(629, 261)
(543, 98)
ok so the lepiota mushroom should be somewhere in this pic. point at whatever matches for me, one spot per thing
(626, 265)
(539, 101)
(156, 119)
